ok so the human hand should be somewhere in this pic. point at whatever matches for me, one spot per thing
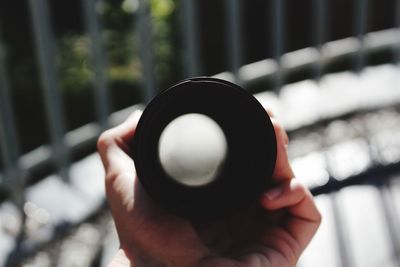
(272, 233)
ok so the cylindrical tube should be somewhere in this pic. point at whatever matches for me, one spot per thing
(246, 162)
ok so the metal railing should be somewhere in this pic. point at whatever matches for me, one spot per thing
(317, 57)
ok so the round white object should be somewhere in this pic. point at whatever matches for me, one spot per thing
(192, 148)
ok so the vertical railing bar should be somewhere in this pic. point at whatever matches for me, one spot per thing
(360, 30)
(146, 49)
(319, 23)
(93, 26)
(278, 25)
(343, 243)
(45, 49)
(9, 144)
(14, 176)
(190, 26)
(384, 195)
(234, 36)
(396, 48)
(391, 221)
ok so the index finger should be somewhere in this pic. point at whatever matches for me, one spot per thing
(113, 143)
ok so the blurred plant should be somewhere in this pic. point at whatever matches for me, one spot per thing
(75, 72)
(162, 12)
(122, 43)
(121, 46)
(75, 69)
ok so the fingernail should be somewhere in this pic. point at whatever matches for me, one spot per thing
(274, 193)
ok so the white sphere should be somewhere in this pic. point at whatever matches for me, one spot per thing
(192, 148)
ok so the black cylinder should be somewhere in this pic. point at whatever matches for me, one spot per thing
(251, 148)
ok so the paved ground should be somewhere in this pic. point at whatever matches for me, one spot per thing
(357, 229)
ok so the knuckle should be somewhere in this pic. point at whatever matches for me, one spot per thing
(298, 187)
(111, 177)
(116, 180)
(301, 190)
(104, 140)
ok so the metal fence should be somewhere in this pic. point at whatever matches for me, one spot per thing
(19, 168)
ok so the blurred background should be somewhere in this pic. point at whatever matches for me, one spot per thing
(70, 69)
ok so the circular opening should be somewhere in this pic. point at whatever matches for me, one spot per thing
(192, 148)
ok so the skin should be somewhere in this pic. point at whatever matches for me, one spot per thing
(273, 233)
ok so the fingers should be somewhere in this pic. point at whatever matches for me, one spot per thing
(282, 170)
(122, 132)
(112, 144)
(119, 167)
(304, 217)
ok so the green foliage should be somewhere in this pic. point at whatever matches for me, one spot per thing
(74, 65)
(162, 13)
(75, 70)
(121, 46)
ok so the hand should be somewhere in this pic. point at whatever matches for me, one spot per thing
(272, 233)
